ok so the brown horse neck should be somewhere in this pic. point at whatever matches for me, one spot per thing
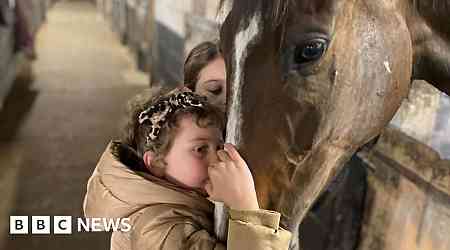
(428, 22)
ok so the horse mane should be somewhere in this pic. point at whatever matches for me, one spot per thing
(273, 11)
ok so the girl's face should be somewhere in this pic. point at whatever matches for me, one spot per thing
(193, 150)
(212, 82)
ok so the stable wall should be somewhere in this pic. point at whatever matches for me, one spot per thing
(34, 12)
(408, 195)
(8, 58)
(178, 27)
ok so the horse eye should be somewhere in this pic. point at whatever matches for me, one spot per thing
(310, 51)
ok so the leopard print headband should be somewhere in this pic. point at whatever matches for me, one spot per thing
(159, 112)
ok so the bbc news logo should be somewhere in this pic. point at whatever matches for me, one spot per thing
(63, 224)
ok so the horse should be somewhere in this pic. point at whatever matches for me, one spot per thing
(311, 81)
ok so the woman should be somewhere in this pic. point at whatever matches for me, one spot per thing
(205, 74)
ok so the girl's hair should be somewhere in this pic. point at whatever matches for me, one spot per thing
(135, 134)
(197, 59)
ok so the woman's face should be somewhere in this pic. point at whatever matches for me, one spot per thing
(212, 82)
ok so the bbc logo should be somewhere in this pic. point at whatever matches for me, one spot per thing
(40, 224)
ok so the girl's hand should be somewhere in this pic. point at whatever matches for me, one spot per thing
(231, 181)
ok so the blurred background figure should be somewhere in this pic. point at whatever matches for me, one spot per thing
(23, 33)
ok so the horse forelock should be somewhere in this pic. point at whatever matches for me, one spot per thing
(273, 12)
(279, 11)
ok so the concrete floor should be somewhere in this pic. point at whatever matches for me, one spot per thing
(53, 129)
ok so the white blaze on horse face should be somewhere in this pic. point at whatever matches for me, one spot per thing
(223, 12)
(241, 44)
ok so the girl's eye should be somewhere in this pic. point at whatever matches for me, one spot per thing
(215, 90)
(214, 87)
(219, 147)
(201, 149)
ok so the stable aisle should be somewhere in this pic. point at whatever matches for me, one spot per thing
(53, 129)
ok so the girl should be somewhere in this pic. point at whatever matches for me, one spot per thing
(178, 136)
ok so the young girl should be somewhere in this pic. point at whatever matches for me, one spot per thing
(178, 136)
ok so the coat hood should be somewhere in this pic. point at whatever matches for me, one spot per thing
(115, 191)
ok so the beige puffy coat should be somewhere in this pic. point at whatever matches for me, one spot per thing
(164, 216)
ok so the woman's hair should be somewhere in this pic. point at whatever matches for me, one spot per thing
(136, 134)
(197, 59)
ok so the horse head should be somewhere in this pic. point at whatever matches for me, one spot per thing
(310, 82)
